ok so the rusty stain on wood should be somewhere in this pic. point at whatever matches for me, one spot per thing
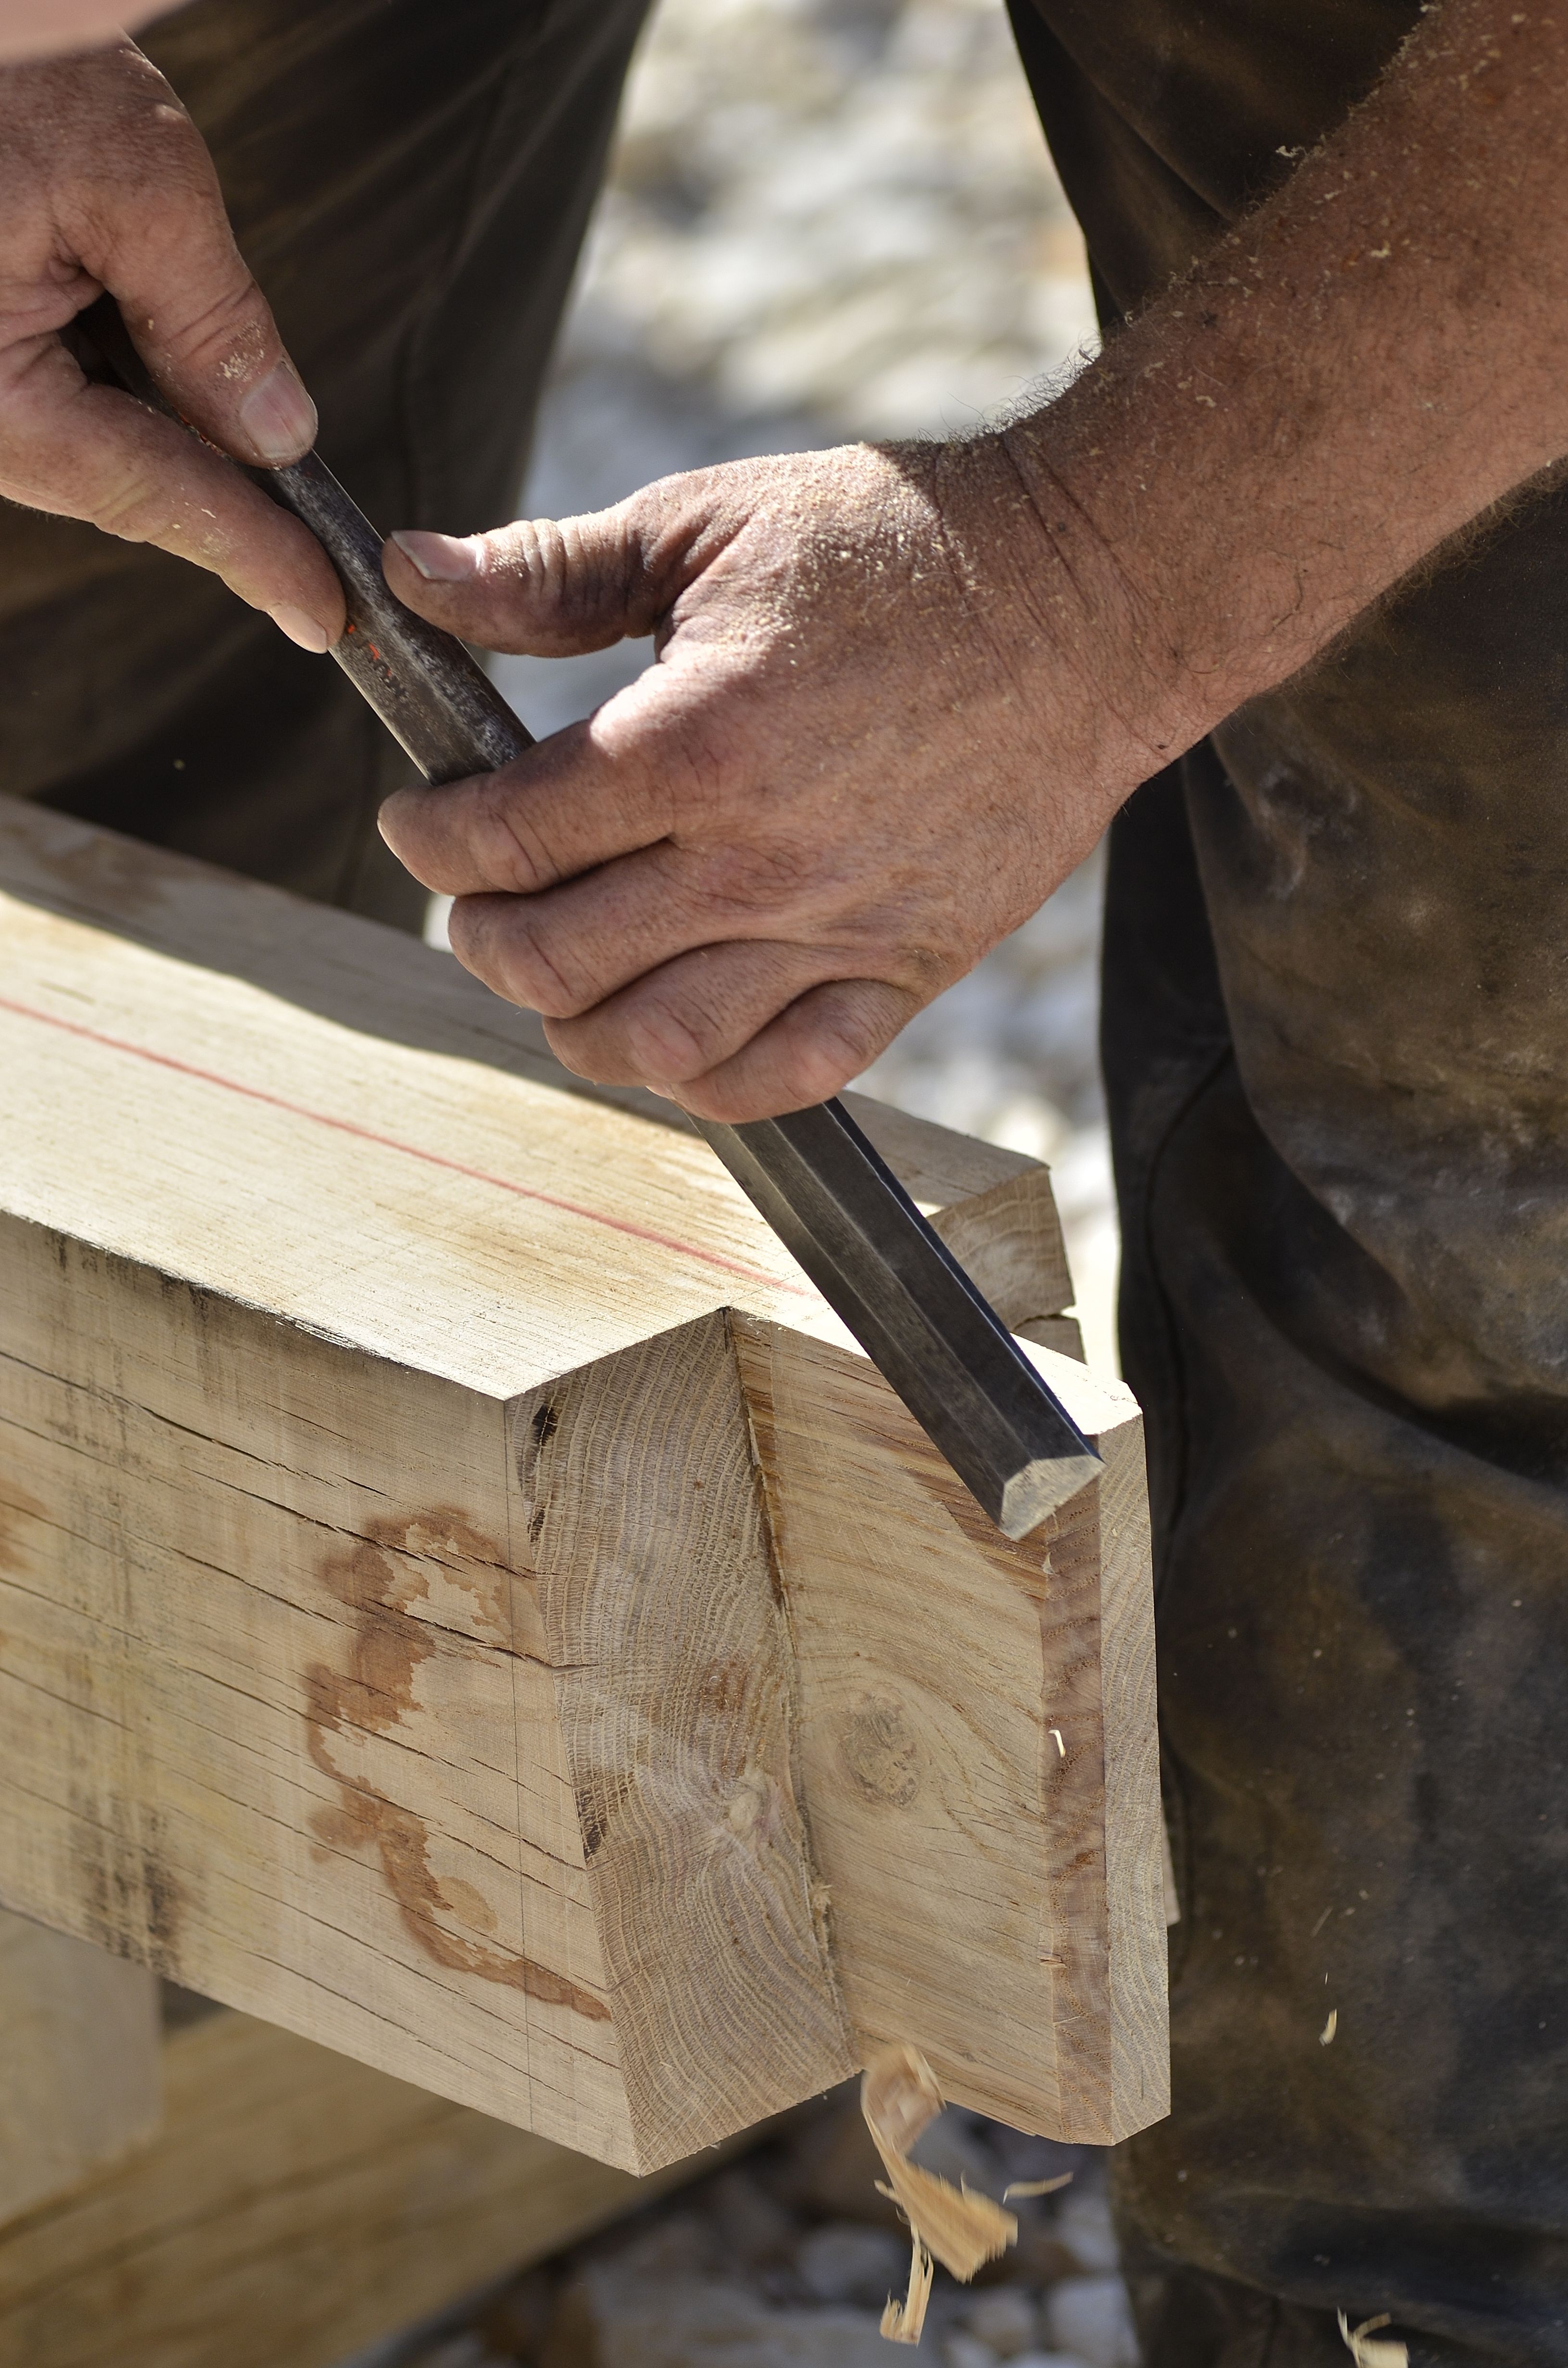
(374, 1696)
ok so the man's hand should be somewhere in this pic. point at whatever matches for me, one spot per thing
(900, 694)
(824, 803)
(105, 183)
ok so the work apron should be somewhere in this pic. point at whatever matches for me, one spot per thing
(1335, 1042)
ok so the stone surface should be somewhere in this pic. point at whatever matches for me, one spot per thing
(1083, 2225)
(616, 2318)
(1006, 2318)
(1090, 2318)
(844, 2263)
(761, 2265)
(963, 2350)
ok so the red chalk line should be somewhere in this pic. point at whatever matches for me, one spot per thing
(410, 1150)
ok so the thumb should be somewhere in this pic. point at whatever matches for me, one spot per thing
(549, 587)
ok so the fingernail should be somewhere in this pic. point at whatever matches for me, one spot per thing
(299, 628)
(440, 558)
(279, 415)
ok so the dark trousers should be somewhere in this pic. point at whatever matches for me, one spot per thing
(410, 185)
(1335, 1042)
(1343, 1311)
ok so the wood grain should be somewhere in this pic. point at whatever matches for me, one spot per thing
(396, 993)
(261, 1705)
(983, 1790)
(79, 2063)
(398, 1641)
(676, 1713)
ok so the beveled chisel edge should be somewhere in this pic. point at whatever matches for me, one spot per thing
(1040, 1488)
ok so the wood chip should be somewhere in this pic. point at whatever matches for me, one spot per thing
(1364, 2349)
(899, 2098)
(902, 2321)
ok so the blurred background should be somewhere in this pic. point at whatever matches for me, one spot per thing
(832, 218)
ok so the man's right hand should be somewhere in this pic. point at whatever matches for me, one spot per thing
(105, 183)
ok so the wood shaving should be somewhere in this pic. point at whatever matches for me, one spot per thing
(1037, 2186)
(901, 2321)
(899, 2098)
(1367, 2352)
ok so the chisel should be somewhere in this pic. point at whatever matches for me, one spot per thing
(833, 1203)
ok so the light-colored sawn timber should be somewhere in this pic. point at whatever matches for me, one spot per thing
(295, 2206)
(79, 2062)
(465, 1598)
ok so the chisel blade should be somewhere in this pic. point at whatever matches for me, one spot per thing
(891, 1280)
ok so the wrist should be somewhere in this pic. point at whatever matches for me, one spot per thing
(1083, 633)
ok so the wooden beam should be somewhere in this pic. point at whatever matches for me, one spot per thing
(994, 1207)
(79, 2063)
(976, 1744)
(400, 1607)
(296, 2206)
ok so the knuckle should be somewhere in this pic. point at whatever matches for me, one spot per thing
(581, 574)
(130, 507)
(574, 1051)
(852, 1025)
(811, 1073)
(231, 338)
(728, 1101)
(511, 849)
(497, 938)
(472, 939)
(526, 864)
(667, 1040)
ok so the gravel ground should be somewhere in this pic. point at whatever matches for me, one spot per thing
(832, 218)
(784, 2259)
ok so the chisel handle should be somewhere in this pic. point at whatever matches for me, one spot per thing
(427, 690)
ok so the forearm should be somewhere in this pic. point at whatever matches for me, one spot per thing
(1376, 357)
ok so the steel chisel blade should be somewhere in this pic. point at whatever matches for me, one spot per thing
(885, 1272)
